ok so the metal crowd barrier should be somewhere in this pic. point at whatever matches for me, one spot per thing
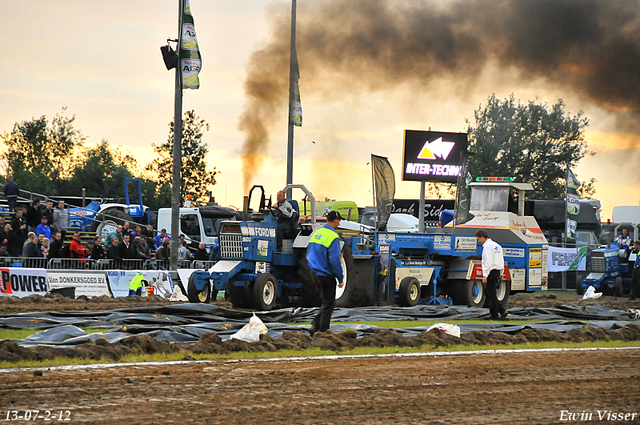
(28, 262)
(202, 265)
(104, 264)
(71, 263)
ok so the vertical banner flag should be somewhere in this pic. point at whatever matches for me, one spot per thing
(296, 108)
(190, 61)
(573, 206)
(463, 197)
(384, 181)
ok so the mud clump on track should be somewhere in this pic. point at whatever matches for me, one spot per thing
(211, 343)
(56, 302)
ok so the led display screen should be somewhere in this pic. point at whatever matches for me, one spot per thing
(432, 156)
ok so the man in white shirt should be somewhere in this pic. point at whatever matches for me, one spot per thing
(492, 271)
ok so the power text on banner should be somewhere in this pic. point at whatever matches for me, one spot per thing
(22, 282)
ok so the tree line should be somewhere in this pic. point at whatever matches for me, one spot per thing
(51, 157)
(533, 142)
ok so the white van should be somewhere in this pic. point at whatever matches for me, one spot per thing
(198, 224)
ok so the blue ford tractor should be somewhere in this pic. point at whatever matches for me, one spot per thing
(611, 268)
(252, 270)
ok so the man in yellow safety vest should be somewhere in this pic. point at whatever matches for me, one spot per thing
(323, 255)
(135, 287)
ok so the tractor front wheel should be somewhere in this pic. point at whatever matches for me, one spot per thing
(265, 292)
(198, 296)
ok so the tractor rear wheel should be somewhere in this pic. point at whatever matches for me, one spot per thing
(237, 295)
(343, 295)
(409, 292)
(618, 288)
(265, 292)
(309, 293)
(197, 296)
(108, 220)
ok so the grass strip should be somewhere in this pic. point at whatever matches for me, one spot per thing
(158, 357)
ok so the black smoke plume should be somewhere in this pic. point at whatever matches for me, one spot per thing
(590, 47)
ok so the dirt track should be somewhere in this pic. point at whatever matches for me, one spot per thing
(461, 389)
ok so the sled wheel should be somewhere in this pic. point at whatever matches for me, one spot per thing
(470, 293)
(502, 292)
(409, 292)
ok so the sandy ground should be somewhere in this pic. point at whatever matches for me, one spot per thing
(539, 388)
(552, 387)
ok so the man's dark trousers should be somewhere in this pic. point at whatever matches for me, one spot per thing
(635, 283)
(492, 285)
(12, 201)
(327, 287)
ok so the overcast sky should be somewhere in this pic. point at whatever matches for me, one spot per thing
(102, 61)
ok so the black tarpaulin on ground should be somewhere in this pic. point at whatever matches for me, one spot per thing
(187, 322)
(68, 336)
(193, 314)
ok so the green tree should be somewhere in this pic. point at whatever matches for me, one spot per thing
(102, 171)
(195, 179)
(42, 155)
(587, 189)
(532, 142)
(440, 190)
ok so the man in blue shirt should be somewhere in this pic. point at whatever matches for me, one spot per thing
(43, 227)
(635, 273)
(161, 237)
(324, 257)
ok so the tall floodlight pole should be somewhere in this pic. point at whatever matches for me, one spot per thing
(292, 75)
(177, 160)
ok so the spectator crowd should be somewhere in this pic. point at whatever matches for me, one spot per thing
(39, 232)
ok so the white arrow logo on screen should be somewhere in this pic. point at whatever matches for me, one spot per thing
(437, 148)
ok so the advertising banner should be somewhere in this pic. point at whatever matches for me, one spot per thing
(463, 192)
(432, 208)
(189, 51)
(296, 106)
(119, 281)
(567, 259)
(22, 282)
(384, 183)
(573, 206)
(433, 156)
(91, 283)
